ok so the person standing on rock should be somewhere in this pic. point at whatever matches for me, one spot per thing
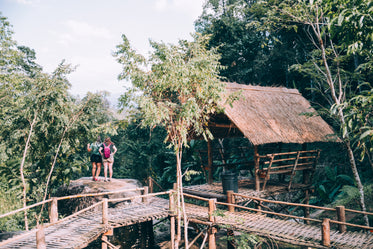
(107, 151)
(96, 158)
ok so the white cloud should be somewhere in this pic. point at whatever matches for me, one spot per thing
(76, 30)
(26, 2)
(161, 5)
(84, 29)
(192, 7)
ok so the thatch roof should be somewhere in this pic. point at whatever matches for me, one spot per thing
(272, 115)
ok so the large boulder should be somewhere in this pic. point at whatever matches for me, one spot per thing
(85, 185)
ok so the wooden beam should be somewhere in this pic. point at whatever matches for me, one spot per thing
(228, 126)
(53, 211)
(230, 200)
(256, 167)
(40, 238)
(325, 232)
(341, 214)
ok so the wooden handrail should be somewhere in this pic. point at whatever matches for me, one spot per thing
(196, 197)
(285, 203)
(268, 212)
(25, 208)
(350, 224)
(156, 183)
(34, 231)
(98, 194)
(140, 196)
(68, 197)
(358, 211)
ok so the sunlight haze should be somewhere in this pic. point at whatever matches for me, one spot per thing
(86, 32)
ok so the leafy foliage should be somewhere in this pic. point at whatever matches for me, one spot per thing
(44, 129)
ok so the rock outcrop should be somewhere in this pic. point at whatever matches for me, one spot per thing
(85, 185)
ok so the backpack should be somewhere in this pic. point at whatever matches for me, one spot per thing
(106, 151)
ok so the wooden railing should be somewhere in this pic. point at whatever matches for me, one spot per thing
(325, 223)
(53, 211)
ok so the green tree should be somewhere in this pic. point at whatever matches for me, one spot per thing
(178, 87)
(327, 64)
(43, 130)
(250, 54)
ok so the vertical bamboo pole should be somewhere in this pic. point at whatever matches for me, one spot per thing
(209, 162)
(40, 238)
(230, 200)
(341, 214)
(325, 228)
(150, 184)
(145, 192)
(172, 218)
(103, 243)
(53, 210)
(212, 208)
(307, 209)
(105, 216)
(256, 166)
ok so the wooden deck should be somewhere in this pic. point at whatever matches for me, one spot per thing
(245, 187)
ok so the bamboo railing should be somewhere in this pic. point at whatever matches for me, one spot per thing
(325, 223)
(53, 212)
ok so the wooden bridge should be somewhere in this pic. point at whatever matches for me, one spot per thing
(87, 225)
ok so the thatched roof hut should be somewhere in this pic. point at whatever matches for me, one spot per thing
(270, 115)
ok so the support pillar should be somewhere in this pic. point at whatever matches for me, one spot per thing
(256, 168)
(341, 214)
(40, 238)
(172, 208)
(53, 210)
(212, 230)
(103, 243)
(325, 231)
(145, 192)
(150, 185)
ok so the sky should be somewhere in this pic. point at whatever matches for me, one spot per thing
(86, 32)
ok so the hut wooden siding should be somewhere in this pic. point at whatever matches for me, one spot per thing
(275, 115)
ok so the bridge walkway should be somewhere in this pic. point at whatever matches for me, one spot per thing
(85, 226)
(282, 230)
(82, 229)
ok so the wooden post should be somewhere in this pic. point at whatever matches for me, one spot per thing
(150, 184)
(259, 206)
(307, 209)
(209, 162)
(212, 208)
(103, 243)
(212, 240)
(172, 218)
(256, 167)
(212, 230)
(53, 210)
(341, 214)
(145, 192)
(40, 238)
(325, 228)
(105, 216)
(230, 200)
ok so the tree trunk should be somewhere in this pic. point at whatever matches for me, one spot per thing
(341, 116)
(22, 166)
